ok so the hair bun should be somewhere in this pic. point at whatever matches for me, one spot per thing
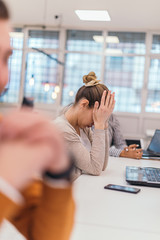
(88, 78)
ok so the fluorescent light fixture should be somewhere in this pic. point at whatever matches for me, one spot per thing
(93, 15)
(114, 51)
(109, 39)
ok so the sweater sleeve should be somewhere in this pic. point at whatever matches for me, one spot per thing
(106, 150)
(90, 162)
(106, 147)
(115, 152)
(47, 214)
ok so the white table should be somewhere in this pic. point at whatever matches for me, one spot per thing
(109, 215)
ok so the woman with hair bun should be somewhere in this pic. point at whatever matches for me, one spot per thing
(93, 105)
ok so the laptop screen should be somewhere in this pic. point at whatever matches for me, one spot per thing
(155, 142)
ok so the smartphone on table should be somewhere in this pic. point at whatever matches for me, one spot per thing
(122, 188)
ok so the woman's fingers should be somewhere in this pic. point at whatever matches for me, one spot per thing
(96, 105)
(108, 99)
(95, 109)
(113, 105)
(103, 98)
(102, 111)
(112, 101)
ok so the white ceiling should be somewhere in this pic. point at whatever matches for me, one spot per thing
(125, 14)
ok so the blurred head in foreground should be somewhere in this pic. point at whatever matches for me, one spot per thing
(5, 48)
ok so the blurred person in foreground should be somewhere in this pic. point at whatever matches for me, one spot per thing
(30, 146)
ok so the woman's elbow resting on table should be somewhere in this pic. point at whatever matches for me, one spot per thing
(97, 171)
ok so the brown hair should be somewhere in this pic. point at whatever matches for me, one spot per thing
(92, 92)
(4, 13)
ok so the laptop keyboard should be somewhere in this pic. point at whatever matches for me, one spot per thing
(152, 175)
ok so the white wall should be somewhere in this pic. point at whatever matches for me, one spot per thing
(140, 126)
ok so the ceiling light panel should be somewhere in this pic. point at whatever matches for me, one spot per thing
(93, 15)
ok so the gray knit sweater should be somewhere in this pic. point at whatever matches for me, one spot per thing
(116, 139)
(93, 162)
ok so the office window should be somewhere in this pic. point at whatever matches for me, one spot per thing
(153, 97)
(12, 94)
(156, 44)
(84, 41)
(77, 65)
(41, 78)
(124, 76)
(14, 65)
(126, 42)
(43, 39)
(16, 38)
(42, 71)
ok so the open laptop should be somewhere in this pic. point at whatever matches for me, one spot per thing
(153, 149)
(146, 176)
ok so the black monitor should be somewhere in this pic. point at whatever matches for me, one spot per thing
(133, 141)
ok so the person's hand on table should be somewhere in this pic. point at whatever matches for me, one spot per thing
(132, 152)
